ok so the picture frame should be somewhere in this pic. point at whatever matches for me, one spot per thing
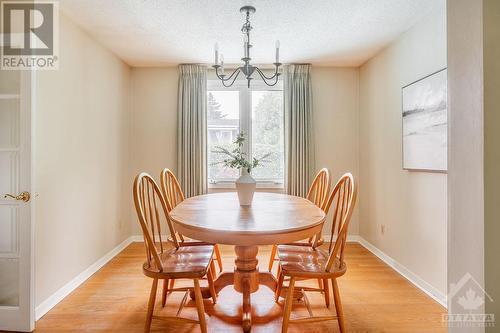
(424, 113)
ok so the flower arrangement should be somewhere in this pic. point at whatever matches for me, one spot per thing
(236, 158)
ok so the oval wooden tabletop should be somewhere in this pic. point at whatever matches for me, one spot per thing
(271, 219)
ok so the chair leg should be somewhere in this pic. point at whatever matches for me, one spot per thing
(210, 278)
(199, 305)
(151, 305)
(172, 284)
(338, 305)
(164, 293)
(310, 240)
(320, 284)
(212, 267)
(281, 278)
(327, 292)
(273, 255)
(218, 256)
(288, 305)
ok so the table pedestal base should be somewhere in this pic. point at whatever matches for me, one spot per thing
(246, 279)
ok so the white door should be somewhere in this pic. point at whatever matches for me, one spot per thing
(16, 236)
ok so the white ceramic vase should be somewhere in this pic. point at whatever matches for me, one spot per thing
(245, 186)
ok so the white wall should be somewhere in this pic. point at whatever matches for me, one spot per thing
(411, 205)
(82, 138)
(336, 122)
(474, 82)
(154, 123)
(491, 35)
(465, 156)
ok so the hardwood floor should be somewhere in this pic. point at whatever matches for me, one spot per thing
(375, 299)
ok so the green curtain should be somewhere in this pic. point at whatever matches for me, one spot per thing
(192, 129)
(299, 141)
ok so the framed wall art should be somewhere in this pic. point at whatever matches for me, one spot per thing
(425, 123)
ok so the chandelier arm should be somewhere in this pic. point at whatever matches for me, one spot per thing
(222, 77)
(266, 79)
(232, 82)
(272, 84)
(276, 73)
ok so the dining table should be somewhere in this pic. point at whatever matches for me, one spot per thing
(272, 218)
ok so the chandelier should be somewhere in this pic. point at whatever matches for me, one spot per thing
(247, 69)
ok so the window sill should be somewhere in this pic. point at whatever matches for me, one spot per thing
(268, 190)
(231, 185)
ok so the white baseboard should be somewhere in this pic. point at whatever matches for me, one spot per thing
(140, 238)
(350, 238)
(60, 294)
(137, 238)
(405, 272)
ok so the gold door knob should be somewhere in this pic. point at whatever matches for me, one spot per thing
(24, 196)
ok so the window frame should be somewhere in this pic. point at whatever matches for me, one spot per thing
(245, 125)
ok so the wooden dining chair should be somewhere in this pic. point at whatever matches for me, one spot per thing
(173, 193)
(165, 261)
(317, 194)
(303, 263)
(319, 188)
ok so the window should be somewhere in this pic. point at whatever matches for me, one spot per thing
(257, 112)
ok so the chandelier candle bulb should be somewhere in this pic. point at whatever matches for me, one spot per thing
(277, 51)
(216, 48)
(222, 63)
(246, 51)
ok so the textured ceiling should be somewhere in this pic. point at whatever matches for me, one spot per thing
(323, 32)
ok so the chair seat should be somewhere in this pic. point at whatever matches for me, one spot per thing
(298, 252)
(303, 261)
(320, 242)
(184, 262)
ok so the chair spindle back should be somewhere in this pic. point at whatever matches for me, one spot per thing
(343, 197)
(151, 207)
(319, 188)
(171, 188)
(172, 192)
